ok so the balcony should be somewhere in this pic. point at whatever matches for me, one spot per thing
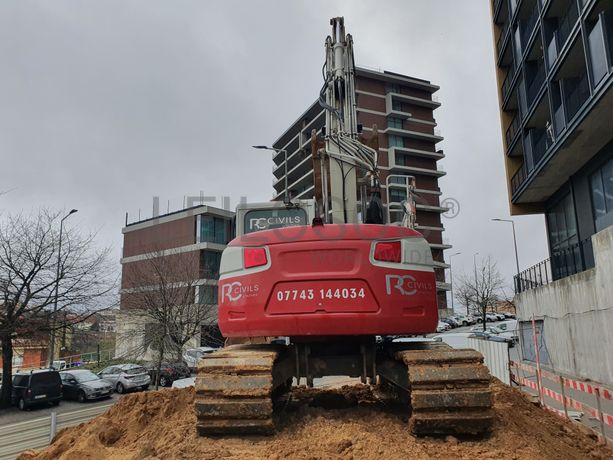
(535, 84)
(512, 131)
(502, 39)
(561, 28)
(527, 26)
(507, 84)
(576, 95)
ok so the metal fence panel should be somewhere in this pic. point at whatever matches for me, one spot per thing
(496, 357)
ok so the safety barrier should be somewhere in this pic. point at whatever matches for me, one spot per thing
(599, 392)
(38, 433)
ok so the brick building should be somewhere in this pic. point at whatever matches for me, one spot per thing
(402, 107)
(190, 241)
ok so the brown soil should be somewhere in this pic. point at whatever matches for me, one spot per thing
(350, 422)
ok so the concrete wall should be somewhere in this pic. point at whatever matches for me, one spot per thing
(577, 314)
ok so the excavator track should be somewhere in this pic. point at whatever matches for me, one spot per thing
(449, 391)
(234, 390)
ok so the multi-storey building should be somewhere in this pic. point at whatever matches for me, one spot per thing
(402, 108)
(190, 242)
(554, 63)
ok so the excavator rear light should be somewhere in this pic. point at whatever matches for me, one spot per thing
(254, 257)
(388, 251)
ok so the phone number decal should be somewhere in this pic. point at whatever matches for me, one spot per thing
(320, 294)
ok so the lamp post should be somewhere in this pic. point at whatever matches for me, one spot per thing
(451, 278)
(265, 147)
(57, 285)
(515, 246)
(475, 268)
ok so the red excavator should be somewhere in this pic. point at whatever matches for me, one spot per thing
(337, 290)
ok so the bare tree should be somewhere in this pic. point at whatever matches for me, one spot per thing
(482, 289)
(29, 277)
(172, 296)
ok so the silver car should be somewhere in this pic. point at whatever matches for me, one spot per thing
(124, 377)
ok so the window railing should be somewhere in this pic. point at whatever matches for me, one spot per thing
(507, 83)
(535, 85)
(565, 262)
(519, 178)
(502, 37)
(528, 26)
(512, 130)
(576, 97)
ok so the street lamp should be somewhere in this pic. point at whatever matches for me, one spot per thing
(451, 279)
(515, 246)
(265, 147)
(476, 287)
(57, 285)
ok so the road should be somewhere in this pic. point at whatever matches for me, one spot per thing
(14, 415)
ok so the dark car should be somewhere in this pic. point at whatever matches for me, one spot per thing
(169, 372)
(83, 384)
(36, 388)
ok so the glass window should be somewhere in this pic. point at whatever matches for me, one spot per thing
(207, 295)
(601, 187)
(392, 88)
(209, 264)
(395, 141)
(598, 200)
(214, 230)
(393, 122)
(598, 59)
(397, 195)
(563, 239)
(397, 105)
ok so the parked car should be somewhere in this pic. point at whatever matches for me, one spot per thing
(193, 355)
(124, 377)
(442, 326)
(508, 337)
(500, 316)
(36, 388)
(509, 315)
(491, 317)
(492, 337)
(83, 384)
(462, 320)
(169, 372)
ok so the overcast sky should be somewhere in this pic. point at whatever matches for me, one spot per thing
(105, 104)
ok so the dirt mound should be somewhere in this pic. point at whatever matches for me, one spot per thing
(350, 422)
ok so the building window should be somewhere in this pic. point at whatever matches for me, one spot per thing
(566, 258)
(397, 195)
(397, 105)
(601, 187)
(207, 295)
(209, 264)
(392, 88)
(393, 122)
(597, 52)
(395, 141)
(214, 230)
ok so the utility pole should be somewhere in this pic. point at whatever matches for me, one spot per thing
(516, 284)
(57, 286)
(451, 280)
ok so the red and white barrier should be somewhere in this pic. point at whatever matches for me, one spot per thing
(584, 387)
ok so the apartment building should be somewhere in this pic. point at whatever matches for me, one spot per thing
(554, 61)
(402, 108)
(186, 245)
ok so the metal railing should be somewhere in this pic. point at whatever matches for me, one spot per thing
(573, 259)
(39, 432)
(512, 131)
(502, 37)
(519, 178)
